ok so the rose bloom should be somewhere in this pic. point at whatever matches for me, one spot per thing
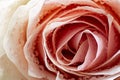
(59, 39)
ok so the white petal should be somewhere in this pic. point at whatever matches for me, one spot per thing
(7, 8)
(34, 16)
(16, 37)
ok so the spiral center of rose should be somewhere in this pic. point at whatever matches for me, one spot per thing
(83, 42)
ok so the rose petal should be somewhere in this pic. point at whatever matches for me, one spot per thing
(38, 12)
(82, 2)
(7, 7)
(91, 53)
(113, 39)
(113, 77)
(100, 49)
(113, 70)
(36, 67)
(114, 8)
(8, 70)
(33, 16)
(111, 7)
(81, 53)
(15, 38)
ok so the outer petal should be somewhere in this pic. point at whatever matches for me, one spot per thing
(7, 8)
(35, 67)
(16, 37)
(8, 70)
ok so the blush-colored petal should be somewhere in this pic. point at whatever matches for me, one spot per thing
(113, 41)
(91, 53)
(35, 55)
(101, 53)
(33, 16)
(106, 68)
(81, 2)
(114, 5)
(81, 53)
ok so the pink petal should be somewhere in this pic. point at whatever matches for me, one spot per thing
(113, 40)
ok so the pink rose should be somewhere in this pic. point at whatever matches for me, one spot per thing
(63, 39)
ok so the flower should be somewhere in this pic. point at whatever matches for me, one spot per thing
(61, 39)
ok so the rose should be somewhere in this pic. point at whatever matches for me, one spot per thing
(61, 38)
(44, 49)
